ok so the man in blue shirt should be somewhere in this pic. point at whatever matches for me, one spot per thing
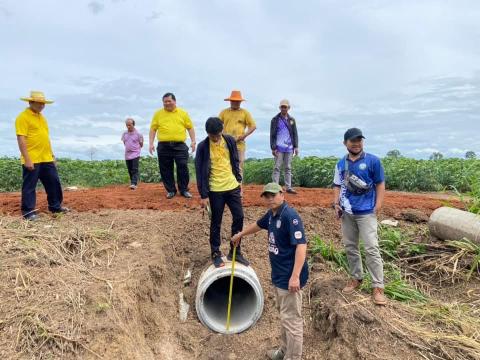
(284, 144)
(359, 189)
(287, 247)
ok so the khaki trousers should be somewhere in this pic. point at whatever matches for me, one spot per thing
(354, 228)
(289, 305)
(241, 158)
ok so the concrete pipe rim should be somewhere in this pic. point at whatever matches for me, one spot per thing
(225, 273)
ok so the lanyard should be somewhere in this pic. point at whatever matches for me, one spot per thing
(280, 216)
(346, 161)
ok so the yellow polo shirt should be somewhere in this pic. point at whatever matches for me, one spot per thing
(171, 125)
(221, 174)
(35, 129)
(235, 122)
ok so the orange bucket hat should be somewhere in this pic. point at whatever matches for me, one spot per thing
(236, 95)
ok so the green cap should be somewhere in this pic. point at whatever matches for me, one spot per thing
(272, 188)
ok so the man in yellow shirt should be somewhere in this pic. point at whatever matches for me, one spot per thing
(37, 157)
(238, 123)
(218, 182)
(170, 124)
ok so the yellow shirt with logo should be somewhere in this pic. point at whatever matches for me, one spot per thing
(235, 122)
(171, 125)
(35, 129)
(221, 174)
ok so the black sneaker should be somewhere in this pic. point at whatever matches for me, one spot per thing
(217, 259)
(238, 257)
(186, 194)
(62, 210)
(292, 191)
(31, 217)
(170, 195)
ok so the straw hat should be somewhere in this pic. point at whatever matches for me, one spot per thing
(235, 96)
(37, 96)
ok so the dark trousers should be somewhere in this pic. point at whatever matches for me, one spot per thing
(48, 175)
(233, 200)
(168, 153)
(132, 166)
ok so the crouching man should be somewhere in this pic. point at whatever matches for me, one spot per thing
(287, 247)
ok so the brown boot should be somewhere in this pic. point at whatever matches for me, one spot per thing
(378, 296)
(276, 354)
(351, 286)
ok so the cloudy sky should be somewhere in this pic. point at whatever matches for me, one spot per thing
(406, 72)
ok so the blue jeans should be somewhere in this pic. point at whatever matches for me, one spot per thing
(48, 175)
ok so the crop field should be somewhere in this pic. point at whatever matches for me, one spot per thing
(402, 174)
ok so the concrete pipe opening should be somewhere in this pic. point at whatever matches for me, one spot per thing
(212, 298)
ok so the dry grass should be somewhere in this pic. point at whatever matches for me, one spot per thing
(444, 262)
(447, 331)
(49, 320)
(50, 269)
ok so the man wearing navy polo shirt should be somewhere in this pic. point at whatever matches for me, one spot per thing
(287, 247)
(359, 187)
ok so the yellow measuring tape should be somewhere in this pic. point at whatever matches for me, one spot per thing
(231, 288)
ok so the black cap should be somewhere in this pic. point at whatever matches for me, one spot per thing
(213, 126)
(353, 133)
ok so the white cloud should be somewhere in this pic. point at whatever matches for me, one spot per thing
(96, 7)
(406, 72)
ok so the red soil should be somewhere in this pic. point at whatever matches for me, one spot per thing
(152, 196)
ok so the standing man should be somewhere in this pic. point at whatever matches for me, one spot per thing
(238, 123)
(284, 144)
(133, 142)
(359, 188)
(37, 157)
(170, 124)
(287, 248)
(218, 181)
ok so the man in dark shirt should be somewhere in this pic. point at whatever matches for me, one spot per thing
(284, 144)
(287, 248)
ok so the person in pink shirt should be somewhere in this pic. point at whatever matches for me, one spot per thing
(133, 142)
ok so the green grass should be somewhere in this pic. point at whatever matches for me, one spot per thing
(329, 252)
(467, 247)
(395, 243)
(474, 195)
(396, 287)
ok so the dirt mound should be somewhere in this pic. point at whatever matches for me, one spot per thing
(152, 196)
(353, 328)
(106, 285)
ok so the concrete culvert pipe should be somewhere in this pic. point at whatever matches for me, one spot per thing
(452, 224)
(212, 298)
